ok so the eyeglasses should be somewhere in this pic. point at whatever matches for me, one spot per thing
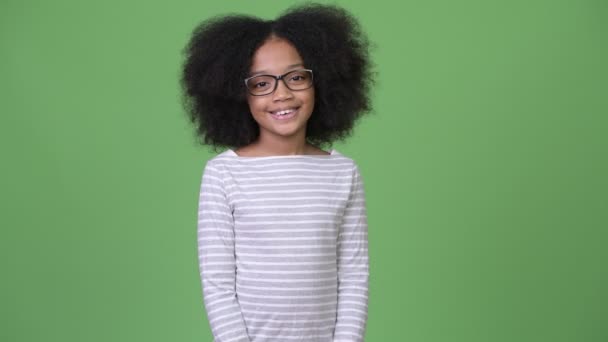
(266, 84)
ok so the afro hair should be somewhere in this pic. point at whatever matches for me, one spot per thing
(219, 54)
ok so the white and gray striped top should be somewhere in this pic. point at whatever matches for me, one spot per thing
(283, 248)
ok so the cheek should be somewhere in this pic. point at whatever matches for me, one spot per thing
(307, 97)
(255, 105)
(311, 99)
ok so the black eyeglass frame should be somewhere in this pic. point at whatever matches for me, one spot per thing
(280, 78)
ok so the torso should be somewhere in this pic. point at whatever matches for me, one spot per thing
(287, 214)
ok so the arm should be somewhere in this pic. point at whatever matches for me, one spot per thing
(353, 267)
(217, 261)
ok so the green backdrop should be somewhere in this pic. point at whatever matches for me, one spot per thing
(485, 167)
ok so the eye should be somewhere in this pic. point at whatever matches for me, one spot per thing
(260, 83)
(298, 78)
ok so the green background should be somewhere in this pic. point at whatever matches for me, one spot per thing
(485, 167)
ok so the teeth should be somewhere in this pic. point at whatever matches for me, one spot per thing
(283, 112)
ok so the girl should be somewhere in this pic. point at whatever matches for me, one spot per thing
(282, 226)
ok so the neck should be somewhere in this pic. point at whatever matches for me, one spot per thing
(278, 145)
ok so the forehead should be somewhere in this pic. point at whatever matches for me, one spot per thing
(275, 56)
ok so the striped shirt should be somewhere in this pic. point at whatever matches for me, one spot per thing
(282, 245)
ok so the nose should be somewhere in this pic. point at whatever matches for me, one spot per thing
(282, 92)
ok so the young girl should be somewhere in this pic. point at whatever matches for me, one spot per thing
(282, 226)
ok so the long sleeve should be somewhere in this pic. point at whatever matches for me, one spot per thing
(217, 263)
(353, 267)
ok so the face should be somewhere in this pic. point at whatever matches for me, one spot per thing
(277, 57)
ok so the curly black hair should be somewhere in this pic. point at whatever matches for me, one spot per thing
(219, 56)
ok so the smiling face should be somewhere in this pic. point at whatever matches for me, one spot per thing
(276, 57)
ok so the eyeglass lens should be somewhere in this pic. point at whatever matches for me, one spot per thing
(295, 80)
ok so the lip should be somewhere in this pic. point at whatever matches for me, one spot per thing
(286, 116)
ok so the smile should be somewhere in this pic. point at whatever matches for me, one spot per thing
(284, 114)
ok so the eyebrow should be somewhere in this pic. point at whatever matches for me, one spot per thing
(265, 72)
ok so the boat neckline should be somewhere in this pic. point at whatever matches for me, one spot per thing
(332, 152)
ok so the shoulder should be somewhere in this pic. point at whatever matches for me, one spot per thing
(351, 164)
(344, 159)
(217, 163)
(221, 158)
